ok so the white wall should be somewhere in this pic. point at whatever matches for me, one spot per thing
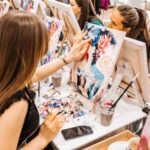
(134, 3)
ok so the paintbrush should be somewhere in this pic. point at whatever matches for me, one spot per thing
(39, 89)
(129, 85)
(88, 29)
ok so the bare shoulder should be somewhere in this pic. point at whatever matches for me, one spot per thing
(15, 111)
(11, 123)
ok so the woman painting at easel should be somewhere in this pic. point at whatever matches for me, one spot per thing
(84, 12)
(20, 51)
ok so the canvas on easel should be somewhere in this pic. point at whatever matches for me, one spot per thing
(29, 5)
(90, 76)
(41, 10)
(133, 60)
(4, 7)
(64, 12)
(54, 27)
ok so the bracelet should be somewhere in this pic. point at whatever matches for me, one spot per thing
(64, 60)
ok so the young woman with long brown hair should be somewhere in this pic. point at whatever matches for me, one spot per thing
(84, 12)
(134, 22)
(23, 41)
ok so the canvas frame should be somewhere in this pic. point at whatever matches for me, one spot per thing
(134, 52)
(64, 12)
(26, 5)
(92, 84)
(5, 7)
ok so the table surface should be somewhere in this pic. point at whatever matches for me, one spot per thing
(126, 113)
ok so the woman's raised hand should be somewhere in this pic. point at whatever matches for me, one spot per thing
(80, 47)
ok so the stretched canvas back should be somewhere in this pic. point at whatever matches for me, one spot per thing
(134, 52)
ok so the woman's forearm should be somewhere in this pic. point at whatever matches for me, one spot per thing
(49, 68)
(37, 143)
(76, 53)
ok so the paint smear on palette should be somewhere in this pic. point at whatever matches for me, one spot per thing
(73, 108)
(92, 75)
(54, 27)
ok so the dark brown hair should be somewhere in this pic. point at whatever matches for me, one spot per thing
(87, 11)
(23, 41)
(137, 20)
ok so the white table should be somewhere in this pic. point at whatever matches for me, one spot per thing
(126, 113)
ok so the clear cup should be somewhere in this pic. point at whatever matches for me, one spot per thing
(56, 79)
(106, 114)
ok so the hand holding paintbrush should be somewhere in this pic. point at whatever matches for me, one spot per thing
(116, 102)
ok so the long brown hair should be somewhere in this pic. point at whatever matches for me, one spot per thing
(137, 20)
(87, 11)
(23, 40)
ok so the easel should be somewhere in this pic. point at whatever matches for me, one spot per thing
(64, 12)
(68, 30)
(41, 13)
(124, 69)
(65, 37)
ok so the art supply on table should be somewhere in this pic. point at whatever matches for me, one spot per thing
(65, 105)
(106, 115)
(56, 79)
(39, 89)
(62, 111)
(129, 85)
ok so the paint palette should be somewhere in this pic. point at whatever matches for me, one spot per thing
(73, 107)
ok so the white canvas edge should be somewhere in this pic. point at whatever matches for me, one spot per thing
(66, 8)
(138, 45)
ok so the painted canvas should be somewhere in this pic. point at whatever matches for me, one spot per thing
(54, 27)
(64, 12)
(90, 76)
(29, 5)
(4, 7)
(53, 99)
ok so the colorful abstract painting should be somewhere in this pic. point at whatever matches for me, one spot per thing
(29, 5)
(90, 76)
(54, 28)
(4, 7)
